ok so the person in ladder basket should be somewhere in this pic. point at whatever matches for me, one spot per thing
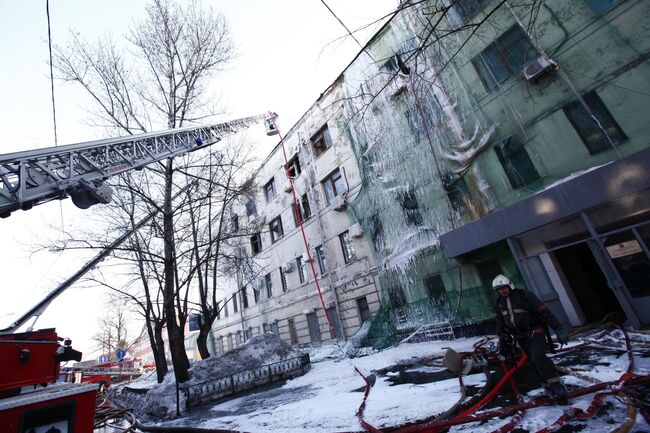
(523, 319)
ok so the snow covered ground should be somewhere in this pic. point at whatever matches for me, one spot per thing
(412, 385)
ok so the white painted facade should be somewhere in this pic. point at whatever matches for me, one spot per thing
(348, 281)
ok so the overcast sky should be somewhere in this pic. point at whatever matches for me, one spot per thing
(289, 52)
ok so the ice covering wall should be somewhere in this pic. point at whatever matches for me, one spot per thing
(415, 136)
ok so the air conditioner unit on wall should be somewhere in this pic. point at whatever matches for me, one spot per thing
(539, 68)
(338, 203)
(287, 267)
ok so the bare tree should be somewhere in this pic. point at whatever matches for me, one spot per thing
(113, 327)
(159, 82)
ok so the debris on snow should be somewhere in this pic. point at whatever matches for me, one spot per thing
(158, 401)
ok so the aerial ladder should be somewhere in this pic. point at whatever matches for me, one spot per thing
(80, 170)
(30, 360)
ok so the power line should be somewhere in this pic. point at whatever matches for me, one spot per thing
(346, 29)
(49, 44)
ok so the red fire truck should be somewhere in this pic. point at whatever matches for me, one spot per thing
(31, 398)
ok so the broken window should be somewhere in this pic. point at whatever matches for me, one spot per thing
(269, 285)
(304, 207)
(275, 228)
(347, 247)
(504, 57)
(409, 204)
(321, 141)
(599, 7)
(269, 190)
(283, 280)
(333, 185)
(363, 308)
(305, 210)
(595, 133)
(256, 243)
(251, 209)
(320, 256)
(457, 191)
(301, 269)
(436, 289)
(293, 167)
(515, 162)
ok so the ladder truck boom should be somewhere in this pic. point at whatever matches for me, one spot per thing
(79, 170)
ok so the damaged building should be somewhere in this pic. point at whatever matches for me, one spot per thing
(468, 138)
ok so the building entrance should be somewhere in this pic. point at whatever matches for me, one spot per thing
(587, 281)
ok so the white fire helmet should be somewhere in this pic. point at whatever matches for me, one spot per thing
(500, 281)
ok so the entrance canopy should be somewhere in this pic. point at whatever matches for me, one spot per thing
(567, 197)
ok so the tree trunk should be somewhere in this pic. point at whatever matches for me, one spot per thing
(175, 333)
(158, 348)
(202, 342)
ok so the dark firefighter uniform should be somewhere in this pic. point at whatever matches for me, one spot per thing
(522, 317)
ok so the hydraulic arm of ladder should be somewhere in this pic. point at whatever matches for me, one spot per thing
(79, 170)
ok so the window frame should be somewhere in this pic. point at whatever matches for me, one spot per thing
(269, 190)
(256, 295)
(244, 297)
(235, 307)
(305, 210)
(500, 51)
(256, 243)
(467, 10)
(268, 282)
(516, 153)
(320, 257)
(347, 247)
(278, 234)
(251, 207)
(283, 280)
(293, 334)
(604, 116)
(301, 270)
(294, 165)
(332, 180)
(321, 136)
(361, 311)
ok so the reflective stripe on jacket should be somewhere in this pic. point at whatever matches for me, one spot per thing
(522, 313)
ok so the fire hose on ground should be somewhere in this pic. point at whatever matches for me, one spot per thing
(621, 387)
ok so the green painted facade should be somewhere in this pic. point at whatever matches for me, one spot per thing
(440, 145)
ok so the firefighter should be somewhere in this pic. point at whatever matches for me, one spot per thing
(523, 319)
